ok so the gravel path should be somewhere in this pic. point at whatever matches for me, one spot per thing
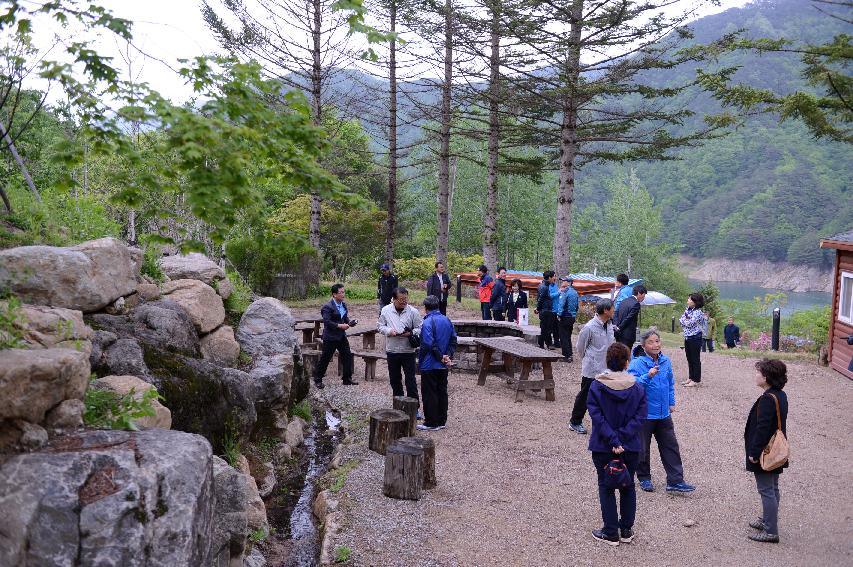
(517, 487)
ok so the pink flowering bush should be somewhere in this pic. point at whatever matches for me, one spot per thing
(763, 342)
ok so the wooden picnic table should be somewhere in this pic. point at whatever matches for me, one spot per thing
(368, 337)
(310, 327)
(523, 352)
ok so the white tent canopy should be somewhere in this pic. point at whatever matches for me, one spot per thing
(652, 298)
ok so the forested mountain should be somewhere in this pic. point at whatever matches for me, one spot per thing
(766, 190)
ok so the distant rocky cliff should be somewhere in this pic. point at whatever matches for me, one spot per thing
(778, 275)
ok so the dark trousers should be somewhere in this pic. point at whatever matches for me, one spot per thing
(486, 311)
(567, 323)
(768, 488)
(442, 306)
(627, 341)
(664, 433)
(434, 395)
(579, 410)
(730, 345)
(400, 363)
(547, 321)
(555, 331)
(607, 496)
(498, 315)
(708, 344)
(344, 353)
(692, 347)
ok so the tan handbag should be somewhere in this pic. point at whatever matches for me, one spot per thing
(777, 451)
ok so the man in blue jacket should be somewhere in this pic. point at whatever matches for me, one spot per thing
(497, 301)
(567, 312)
(336, 321)
(621, 290)
(546, 294)
(438, 343)
(653, 370)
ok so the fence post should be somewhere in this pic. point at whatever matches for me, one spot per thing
(673, 324)
(458, 289)
(774, 340)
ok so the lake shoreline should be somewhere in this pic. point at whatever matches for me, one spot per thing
(772, 276)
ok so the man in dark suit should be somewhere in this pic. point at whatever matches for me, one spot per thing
(628, 316)
(387, 283)
(438, 285)
(336, 321)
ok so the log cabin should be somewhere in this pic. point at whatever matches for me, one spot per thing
(841, 325)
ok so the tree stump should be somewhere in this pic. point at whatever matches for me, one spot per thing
(404, 475)
(386, 426)
(409, 406)
(428, 447)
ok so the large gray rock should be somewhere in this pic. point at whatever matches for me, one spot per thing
(205, 398)
(123, 385)
(266, 328)
(193, 266)
(199, 300)
(86, 277)
(123, 357)
(162, 324)
(271, 377)
(32, 382)
(109, 498)
(239, 511)
(47, 327)
(220, 347)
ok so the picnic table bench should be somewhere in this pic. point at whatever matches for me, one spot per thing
(368, 336)
(310, 327)
(527, 354)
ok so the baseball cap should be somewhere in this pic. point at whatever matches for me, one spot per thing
(385, 267)
(567, 279)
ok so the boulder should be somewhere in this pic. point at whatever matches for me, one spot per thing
(67, 415)
(239, 511)
(109, 498)
(101, 341)
(122, 385)
(294, 435)
(32, 382)
(162, 324)
(205, 398)
(86, 277)
(148, 291)
(255, 559)
(123, 357)
(200, 301)
(32, 436)
(266, 328)
(270, 378)
(192, 266)
(47, 327)
(224, 288)
(220, 347)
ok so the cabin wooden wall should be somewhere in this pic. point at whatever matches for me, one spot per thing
(840, 352)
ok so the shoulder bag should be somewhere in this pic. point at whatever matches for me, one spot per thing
(777, 451)
(414, 340)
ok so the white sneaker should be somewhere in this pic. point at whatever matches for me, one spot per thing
(422, 427)
(439, 427)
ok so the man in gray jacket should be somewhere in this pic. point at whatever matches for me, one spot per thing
(593, 341)
(399, 321)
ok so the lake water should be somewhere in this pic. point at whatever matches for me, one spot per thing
(797, 300)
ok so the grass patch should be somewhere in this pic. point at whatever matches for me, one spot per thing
(747, 353)
(11, 323)
(266, 447)
(231, 447)
(342, 553)
(303, 410)
(339, 475)
(258, 535)
(241, 297)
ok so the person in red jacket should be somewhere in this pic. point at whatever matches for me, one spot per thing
(485, 291)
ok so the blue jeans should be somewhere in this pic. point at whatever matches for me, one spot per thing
(486, 310)
(768, 489)
(607, 496)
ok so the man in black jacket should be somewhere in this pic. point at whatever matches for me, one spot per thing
(387, 283)
(628, 316)
(438, 285)
(497, 301)
(336, 321)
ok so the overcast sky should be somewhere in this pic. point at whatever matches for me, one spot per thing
(170, 30)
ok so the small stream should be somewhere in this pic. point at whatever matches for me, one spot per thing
(298, 536)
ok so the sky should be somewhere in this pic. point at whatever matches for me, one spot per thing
(170, 30)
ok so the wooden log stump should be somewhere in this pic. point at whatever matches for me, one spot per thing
(428, 447)
(409, 406)
(386, 426)
(404, 475)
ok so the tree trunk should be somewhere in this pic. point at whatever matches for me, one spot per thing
(404, 475)
(21, 165)
(316, 90)
(443, 229)
(428, 446)
(568, 146)
(131, 227)
(490, 221)
(386, 426)
(5, 199)
(409, 406)
(392, 142)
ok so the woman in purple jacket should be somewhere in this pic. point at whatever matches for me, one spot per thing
(617, 406)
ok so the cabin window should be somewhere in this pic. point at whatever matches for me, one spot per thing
(845, 299)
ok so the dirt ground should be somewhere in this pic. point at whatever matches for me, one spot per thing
(517, 487)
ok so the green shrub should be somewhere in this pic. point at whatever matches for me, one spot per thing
(241, 297)
(342, 553)
(11, 323)
(151, 264)
(303, 410)
(417, 269)
(110, 410)
(260, 257)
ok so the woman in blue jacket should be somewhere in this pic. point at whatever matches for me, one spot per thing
(617, 406)
(653, 371)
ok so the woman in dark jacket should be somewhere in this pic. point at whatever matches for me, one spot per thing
(516, 299)
(770, 376)
(617, 406)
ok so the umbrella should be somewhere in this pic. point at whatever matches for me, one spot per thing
(657, 298)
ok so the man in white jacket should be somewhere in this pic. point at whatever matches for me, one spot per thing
(398, 322)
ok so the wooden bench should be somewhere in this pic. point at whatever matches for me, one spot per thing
(368, 337)
(370, 358)
(310, 327)
(513, 351)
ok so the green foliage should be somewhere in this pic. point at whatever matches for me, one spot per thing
(755, 317)
(339, 475)
(342, 553)
(231, 446)
(110, 410)
(12, 323)
(711, 293)
(151, 265)
(419, 269)
(303, 410)
(241, 297)
(258, 535)
(260, 257)
(266, 448)
(810, 324)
